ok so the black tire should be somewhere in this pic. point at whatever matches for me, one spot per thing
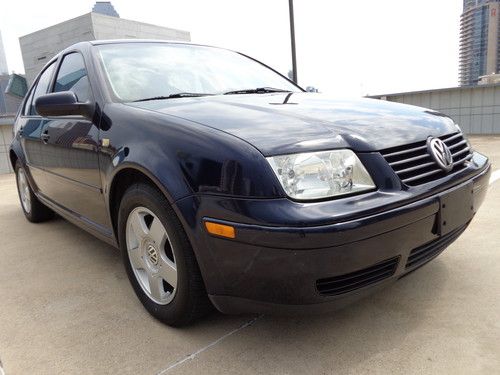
(190, 301)
(38, 212)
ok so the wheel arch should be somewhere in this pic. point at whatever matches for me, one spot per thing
(124, 177)
(13, 158)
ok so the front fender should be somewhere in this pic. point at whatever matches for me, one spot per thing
(182, 157)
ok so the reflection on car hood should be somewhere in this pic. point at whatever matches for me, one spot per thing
(281, 123)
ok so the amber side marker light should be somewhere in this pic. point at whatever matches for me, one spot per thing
(220, 229)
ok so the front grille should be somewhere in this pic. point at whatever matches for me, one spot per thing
(421, 255)
(348, 282)
(415, 166)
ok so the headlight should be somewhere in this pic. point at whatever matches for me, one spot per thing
(317, 175)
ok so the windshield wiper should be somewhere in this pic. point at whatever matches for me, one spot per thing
(174, 96)
(258, 90)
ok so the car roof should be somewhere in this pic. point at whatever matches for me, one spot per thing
(121, 41)
(91, 43)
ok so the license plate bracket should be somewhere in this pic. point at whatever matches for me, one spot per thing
(456, 208)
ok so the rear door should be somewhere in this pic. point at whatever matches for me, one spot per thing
(71, 149)
(31, 124)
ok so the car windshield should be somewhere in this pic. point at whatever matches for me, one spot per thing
(151, 71)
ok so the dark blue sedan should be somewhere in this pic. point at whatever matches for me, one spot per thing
(225, 184)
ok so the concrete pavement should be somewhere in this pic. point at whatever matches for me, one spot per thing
(66, 307)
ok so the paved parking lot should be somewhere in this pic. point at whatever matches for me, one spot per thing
(66, 307)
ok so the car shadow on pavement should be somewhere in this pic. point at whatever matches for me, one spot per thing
(81, 283)
(367, 331)
(373, 326)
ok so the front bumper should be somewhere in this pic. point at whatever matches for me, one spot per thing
(288, 268)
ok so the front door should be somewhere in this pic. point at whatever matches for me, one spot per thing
(71, 150)
(31, 124)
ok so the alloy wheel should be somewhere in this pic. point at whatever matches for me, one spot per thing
(24, 190)
(151, 255)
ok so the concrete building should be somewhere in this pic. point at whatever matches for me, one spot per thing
(475, 108)
(9, 105)
(37, 48)
(479, 40)
(8, 109)
(3, 60)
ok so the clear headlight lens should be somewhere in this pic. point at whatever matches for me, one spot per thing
(317, 175)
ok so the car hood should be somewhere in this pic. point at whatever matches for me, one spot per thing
(281, 123)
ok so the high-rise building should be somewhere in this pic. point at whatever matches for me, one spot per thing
(3, 60)
(479, 40)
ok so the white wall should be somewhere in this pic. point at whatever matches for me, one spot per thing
(106, 27)
(476, 109)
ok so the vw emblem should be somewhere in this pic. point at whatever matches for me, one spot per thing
(153, 254)
(440, 153)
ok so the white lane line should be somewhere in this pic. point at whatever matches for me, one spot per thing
(495, 176)
(199, 351)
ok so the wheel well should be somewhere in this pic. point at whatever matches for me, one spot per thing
(121, 182)
(13, 159)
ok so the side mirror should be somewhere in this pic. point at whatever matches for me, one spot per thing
(64, 103)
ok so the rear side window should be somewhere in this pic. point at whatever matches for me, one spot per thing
(72, 76)
(40, 89)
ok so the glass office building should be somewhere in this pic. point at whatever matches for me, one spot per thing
(479, 40)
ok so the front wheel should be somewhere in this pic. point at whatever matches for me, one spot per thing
(158, 257)
(34, 210)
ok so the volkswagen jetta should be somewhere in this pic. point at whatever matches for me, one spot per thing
(225, 184)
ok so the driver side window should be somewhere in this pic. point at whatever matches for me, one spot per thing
(40, 89)
(72, 76)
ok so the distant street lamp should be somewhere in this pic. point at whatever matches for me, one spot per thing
(292, 37)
